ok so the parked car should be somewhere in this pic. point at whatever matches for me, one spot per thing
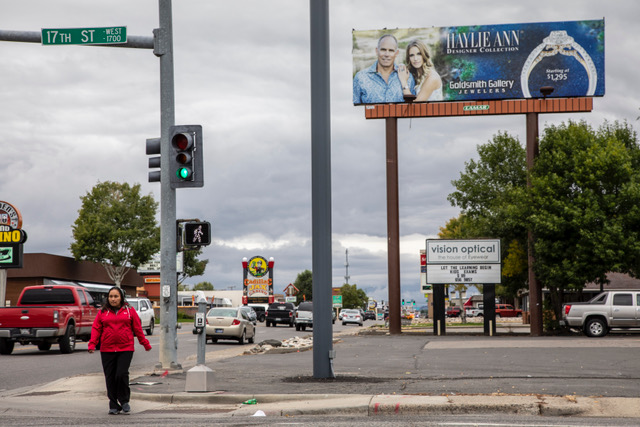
(261, 312)
(252, 314)
(507, 310)
(453, 311)
(605, 311)
(352, 316)
(144, 308)
(474, 312)
(229, 323)
(369, 315)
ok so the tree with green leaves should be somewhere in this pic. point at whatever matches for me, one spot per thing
(203, 286)
(489, 192)
(352, 297)
(116, 227)
(584, 205)
(191, 265)
(304, 283)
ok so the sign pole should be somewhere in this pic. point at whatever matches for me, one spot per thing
(393, 226)
(3, 286)
(535, 292)
(323, 353)
(168, 274)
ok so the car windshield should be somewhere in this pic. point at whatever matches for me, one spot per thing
(134, 304)
(222, 312)
(351, 312)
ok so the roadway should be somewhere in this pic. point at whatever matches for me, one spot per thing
(28, 366)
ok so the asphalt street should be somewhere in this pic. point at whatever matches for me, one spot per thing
(376, 375)
(432, 365)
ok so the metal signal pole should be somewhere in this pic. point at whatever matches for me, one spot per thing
(168, 274)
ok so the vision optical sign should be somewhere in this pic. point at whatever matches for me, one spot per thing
(463, 261)
(484, 62)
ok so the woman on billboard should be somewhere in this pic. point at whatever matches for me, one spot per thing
(419, 65)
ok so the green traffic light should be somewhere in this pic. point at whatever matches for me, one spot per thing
(183, 173)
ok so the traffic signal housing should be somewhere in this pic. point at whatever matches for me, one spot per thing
(185, 160)
(153, 147)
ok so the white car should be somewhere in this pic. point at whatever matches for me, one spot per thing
(352, 316)
(144, 308)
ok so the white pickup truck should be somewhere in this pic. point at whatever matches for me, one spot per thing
(474, 311)
(605, 311)
(304, 316)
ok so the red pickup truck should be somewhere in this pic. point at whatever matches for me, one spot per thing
(46, 315)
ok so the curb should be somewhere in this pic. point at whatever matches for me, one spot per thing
(371, 405)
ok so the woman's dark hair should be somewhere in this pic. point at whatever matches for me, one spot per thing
(123, 301)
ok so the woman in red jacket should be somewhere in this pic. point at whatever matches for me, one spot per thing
(113, 329)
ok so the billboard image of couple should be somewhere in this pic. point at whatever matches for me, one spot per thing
(475, 63)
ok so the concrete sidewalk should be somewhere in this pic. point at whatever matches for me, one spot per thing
(378, 374)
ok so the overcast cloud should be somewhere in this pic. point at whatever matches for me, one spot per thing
(73, 116)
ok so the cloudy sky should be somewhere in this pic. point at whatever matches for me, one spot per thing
(73, 116)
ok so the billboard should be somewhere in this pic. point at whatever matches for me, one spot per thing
(482, 62)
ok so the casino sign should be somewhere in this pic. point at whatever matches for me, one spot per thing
(12, 236)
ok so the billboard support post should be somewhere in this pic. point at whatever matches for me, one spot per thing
(393, 227)
(535, 292)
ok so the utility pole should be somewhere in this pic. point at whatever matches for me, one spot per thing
(346, 266)
(323, 353)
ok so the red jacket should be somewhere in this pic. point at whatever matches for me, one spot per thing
(114, 331)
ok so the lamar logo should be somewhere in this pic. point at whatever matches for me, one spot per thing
(475, 107)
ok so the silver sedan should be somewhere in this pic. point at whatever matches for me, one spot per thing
(352, 316)
(229, 323)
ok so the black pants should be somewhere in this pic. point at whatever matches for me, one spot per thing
(116, 373)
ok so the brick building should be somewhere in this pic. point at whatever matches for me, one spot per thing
(47, 269)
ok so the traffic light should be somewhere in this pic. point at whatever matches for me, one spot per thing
(186, 156)
(196, 234)
(153, 147)
(402, 301)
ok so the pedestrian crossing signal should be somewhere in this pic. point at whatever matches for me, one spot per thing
(196, 234)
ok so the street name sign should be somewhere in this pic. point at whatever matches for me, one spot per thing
(98, 35)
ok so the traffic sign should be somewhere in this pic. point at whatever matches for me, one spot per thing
(196, 234)
(98, 35)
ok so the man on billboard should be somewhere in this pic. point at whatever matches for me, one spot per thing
(380, 82)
